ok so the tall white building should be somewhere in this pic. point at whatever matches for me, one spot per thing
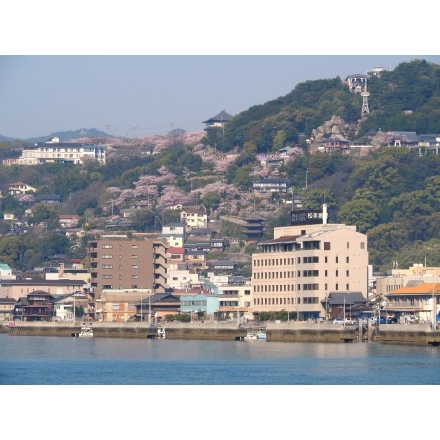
(297, 269)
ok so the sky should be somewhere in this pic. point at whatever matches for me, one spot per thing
(140, 95)
(135, 73)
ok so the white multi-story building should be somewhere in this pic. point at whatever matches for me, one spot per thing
(54, 151)
(298, 269)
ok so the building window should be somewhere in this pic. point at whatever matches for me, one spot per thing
(326, 245)
(134, 266)
(135, 277)
(107, 256)
(107, 277)
(107, 266)
(107, 246)
(134, 246)
(134, 257)
(115, 306)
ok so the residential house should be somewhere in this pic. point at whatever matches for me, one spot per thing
(418, 300)
(68, 220)
(119, 305)
(194, 218)
(155, 308)
(200, 233)
(17, 288)
(342, 304)
(270, 185)
(174, 234)
(195, 259)
(203, 246)
(217, 244)
(400, 277)
(20, 188)
(222, 265)
(208, 304)
(181, 278)
(64, 305)
(176, 257)
(231, 307)
(7, 306)
(6, 272)
(36, 306)
(48, 198)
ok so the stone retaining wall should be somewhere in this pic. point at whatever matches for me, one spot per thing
(287, 332)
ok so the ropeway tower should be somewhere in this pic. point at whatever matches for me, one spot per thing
(365, 94)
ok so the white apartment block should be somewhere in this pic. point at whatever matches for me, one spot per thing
(302, 264)
(194, 218)
(55, 152)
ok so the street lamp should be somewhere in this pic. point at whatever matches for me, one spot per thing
(149, 310)
(141, 306)
(433, 307)
(238, 311)
(344, 310)
(434, 302)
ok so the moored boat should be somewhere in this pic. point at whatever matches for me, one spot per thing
(86, 332)
(261, 333)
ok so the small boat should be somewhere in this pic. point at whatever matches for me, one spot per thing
(261, 334)
(251, 336)
(86, 332)
(161, 332)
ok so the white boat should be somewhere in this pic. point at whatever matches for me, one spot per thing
(261, 333)
(161, 332)
(86, 332)
(251, 336)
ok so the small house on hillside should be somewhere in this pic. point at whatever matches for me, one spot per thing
(20, 188)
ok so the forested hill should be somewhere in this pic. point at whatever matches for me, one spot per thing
(392, 194)
(404, 99)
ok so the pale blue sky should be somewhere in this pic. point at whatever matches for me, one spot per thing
(142, 95)
(137, 69)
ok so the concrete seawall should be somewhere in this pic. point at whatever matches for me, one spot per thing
(282, 332)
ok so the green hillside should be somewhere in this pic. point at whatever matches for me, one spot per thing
(405, 99)
(392, 194)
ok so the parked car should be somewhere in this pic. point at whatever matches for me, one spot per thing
(383, 320)
(345, 322)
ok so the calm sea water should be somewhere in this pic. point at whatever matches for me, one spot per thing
(100, 361)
